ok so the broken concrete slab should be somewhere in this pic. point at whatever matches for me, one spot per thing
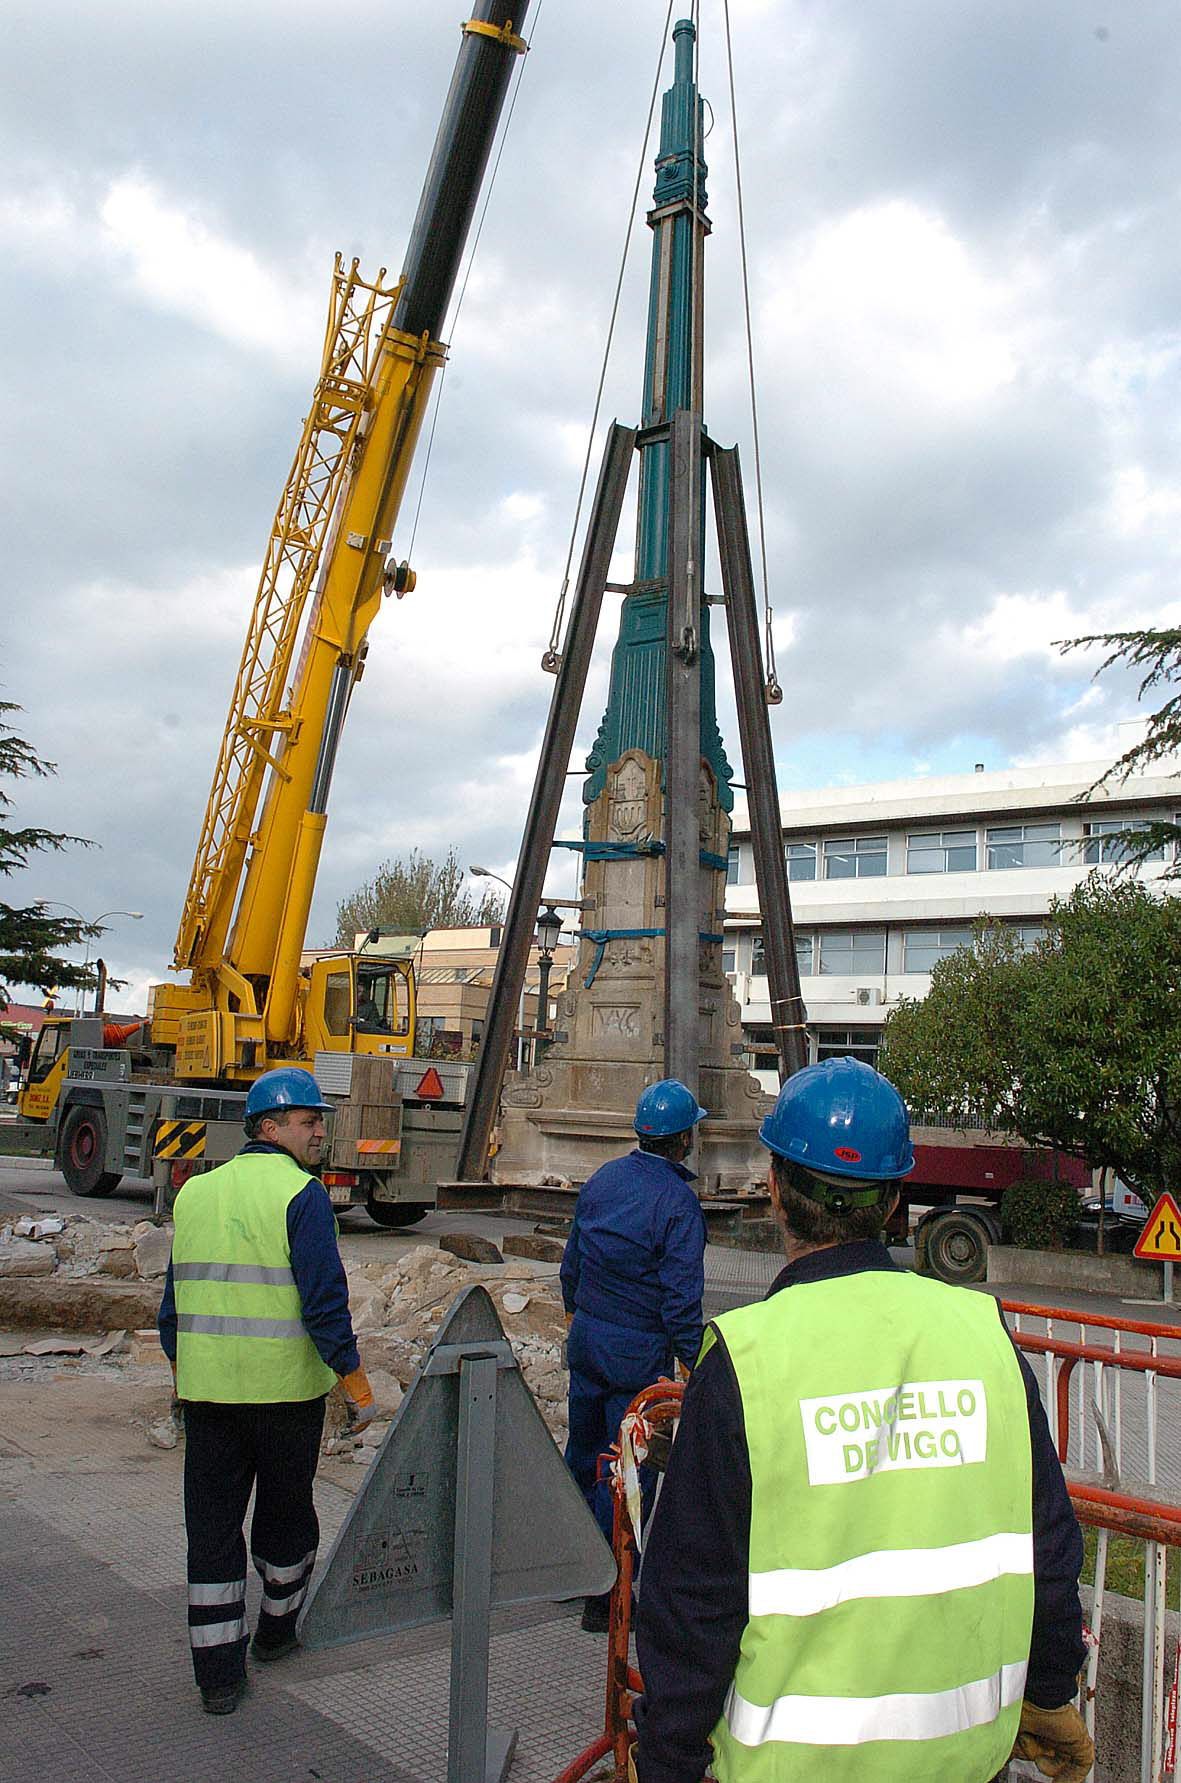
(24, 1257)
(471, 1247)
(530, 1244)
(78, 1303)
(153, 1248)
(45, 1226)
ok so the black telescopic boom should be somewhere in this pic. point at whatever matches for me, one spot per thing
(453, 179)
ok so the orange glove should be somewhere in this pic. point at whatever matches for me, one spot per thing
(1057, 1741)
(682, 1372)
(359, 1394)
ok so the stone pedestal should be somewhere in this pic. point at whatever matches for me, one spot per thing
(572, 1113)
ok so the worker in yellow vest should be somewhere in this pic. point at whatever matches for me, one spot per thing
(864, 1562)
(255, 1320)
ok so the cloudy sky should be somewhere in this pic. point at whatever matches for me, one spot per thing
(966, 284)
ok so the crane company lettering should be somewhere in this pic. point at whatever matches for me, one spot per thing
(853, 1436)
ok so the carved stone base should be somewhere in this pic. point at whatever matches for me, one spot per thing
(575, 1110)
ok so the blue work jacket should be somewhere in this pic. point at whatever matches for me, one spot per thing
(636, 1254)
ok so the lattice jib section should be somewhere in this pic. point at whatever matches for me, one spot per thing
(360, 316)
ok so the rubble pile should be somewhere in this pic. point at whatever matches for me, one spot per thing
(397, 1309)
(75, 1246)
(397, 1306)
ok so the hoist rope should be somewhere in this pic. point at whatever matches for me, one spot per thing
(773, 689)
(450, 332)
(551, 657)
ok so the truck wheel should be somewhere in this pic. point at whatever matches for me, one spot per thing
(395, 1213)
(955, 1248)
(83, 1153)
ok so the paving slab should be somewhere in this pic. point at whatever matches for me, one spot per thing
(95, 1678)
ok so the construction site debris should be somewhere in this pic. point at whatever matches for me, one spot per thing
(43, 1227)
(404, 1303)
(23, 1256)
(153, 1248)
(530, 1244)
(471, 1247)
(145, 1347)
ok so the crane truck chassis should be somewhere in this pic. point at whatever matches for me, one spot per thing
(392, 1135)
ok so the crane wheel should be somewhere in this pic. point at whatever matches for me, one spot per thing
(84, 1153)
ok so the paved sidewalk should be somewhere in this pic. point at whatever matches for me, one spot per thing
(94, 1666)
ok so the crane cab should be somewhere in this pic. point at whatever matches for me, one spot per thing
(361, 1002)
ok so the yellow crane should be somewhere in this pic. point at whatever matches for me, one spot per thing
(249, 1002)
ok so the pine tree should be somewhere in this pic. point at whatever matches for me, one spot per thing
(1156, 650)
(30, 939)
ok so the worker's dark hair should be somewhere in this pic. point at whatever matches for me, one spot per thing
(666, 1145)
(252, 1122)
(812, 1222)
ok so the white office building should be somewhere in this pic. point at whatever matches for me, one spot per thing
(887, 879)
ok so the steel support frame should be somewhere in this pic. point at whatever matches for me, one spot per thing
(682, 758)
(508, 981)
(758, 761)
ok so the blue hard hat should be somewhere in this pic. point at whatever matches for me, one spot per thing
(666, 1107)
(289, 1086)
(841, 1118)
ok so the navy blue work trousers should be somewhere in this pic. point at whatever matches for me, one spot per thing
(230, 1450)
(608, 1366)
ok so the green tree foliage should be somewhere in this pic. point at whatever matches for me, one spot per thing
(1157, 651)
(416, 893)
(1075, 1045)
(1039, 1215)
(29, 937)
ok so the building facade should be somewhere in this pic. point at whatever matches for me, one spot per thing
(887, 879)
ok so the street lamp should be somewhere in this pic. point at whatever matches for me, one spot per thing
(549, 930)
(487, 873)
(91, 922)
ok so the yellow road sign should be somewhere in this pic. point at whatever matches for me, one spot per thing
(1160, 1240)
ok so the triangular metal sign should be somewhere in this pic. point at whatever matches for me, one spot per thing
(391, 1565)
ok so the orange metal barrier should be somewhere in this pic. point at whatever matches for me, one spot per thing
(659, 1406)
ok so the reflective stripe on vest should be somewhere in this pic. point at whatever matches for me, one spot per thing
(240, 1332)
(891, 1549)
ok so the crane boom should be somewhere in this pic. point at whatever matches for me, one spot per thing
(245, 915)
(358, 319)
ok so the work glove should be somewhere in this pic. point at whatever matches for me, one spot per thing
(1057, 1741)
(359, 1395)
(569, 1320)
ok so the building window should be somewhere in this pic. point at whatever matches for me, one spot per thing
(733, 864)
(848, 1043)
(758, 954)
(853, 953)
(941, 851)
(855, 857)
(761, 1054)
(1105, 845)
(1028, 934)
(1025, 845)
(801, 860)
(921, 948)
(728, 966)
